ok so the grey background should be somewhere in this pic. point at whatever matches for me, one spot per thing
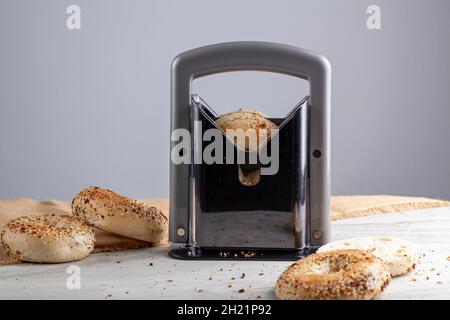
(91, 107)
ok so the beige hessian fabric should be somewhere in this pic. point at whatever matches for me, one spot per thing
(342, 207)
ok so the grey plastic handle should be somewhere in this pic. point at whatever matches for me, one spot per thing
(258, 56)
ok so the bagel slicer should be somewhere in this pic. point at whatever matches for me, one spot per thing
(283, 216)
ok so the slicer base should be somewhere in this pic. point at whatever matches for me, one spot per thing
(194, 253)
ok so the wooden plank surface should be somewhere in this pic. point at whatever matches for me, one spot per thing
(151, 274)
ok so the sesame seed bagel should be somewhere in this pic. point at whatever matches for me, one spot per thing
(118, 214)
(337, 275)
(400, 256)
(246, 119)
(48, 238)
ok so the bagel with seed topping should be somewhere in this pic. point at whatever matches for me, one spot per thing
(400, 256)
(246, 119)
(118, 214)
(337, 275)
(48, 238)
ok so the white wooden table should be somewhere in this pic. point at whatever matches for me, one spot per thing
(151, 274)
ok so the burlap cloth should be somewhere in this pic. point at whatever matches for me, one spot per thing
(342, 207)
